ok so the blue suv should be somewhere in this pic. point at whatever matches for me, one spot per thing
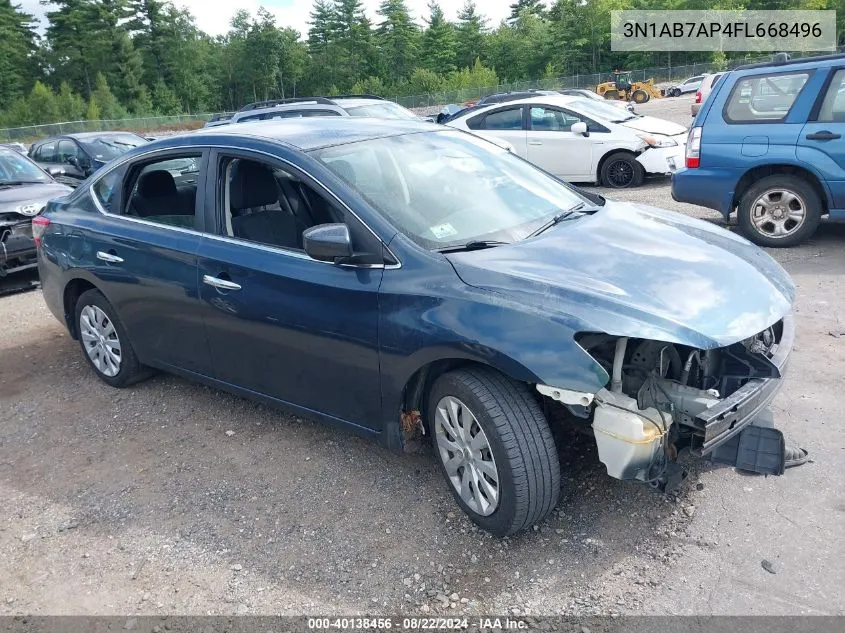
(768, 144)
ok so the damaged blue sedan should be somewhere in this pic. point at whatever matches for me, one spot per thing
(407, 281)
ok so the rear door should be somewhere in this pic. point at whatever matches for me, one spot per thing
(822, 141)
(506, 123)
(141, 247)
(554, 147)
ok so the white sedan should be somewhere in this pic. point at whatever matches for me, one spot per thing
(581, 140)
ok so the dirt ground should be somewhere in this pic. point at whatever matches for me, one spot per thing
(172, 498)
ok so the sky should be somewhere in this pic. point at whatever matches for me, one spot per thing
(213, 16)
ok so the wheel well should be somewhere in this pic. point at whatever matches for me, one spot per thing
(753, 175)
(608, 155)
(419, 384)
(73, 291)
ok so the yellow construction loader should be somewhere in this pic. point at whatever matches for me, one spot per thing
(620, 86)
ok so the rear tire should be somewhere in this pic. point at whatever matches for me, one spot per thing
(781, 210)
(104, 342)
(503, 438)
(621, 170)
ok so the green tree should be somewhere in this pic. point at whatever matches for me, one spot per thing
(92, 112)
(398, 39)
(17, 47)
(471, 33)
(70, 106)
(109, 106)
(534, 7)
(42, 104)
(438, 48)
(165, 100)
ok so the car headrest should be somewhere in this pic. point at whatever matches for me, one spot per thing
(253, 185)
(156, 184)
(343, 168)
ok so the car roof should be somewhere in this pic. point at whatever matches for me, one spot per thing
(800, 62)
(84, 136)
(551, 99)
(286, 107)
(311, 133)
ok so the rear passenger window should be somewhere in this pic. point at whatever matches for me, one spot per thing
(833, 106)
(107, 188)
(764, 98)
(46, 153)
(164, 191)
(508, 119)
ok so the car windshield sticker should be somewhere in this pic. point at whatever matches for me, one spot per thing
(443, 230)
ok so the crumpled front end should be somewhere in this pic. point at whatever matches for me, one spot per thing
(17, 249)
(664, 397)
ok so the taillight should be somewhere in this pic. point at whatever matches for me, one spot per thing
(39, 225)
(693, 154)
(698, 97)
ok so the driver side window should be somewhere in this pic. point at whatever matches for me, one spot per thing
(545, 119)
(67, 150)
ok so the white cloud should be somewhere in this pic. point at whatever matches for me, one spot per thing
(213, 16)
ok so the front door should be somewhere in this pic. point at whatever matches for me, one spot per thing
(279, 323)
(822, 141)
(554, 147)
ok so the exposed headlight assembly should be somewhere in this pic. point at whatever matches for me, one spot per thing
(658, 140)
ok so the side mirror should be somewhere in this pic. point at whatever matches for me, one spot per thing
(580, 128)
(73, 161)
(328, 242)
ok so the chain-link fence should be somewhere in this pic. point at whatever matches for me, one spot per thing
(660, 75)
(138, 125)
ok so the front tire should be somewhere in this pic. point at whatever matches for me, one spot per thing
(104, 341)
(779, 211)
(640, 96)
(621, 170)
(495, 449)
(611, 94)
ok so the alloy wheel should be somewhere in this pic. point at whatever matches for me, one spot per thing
(100, 340)
(778, 213)
(620, 173)
(466, 455)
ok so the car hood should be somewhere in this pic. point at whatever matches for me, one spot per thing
(632, 270)
(13, 197)
(651, 125)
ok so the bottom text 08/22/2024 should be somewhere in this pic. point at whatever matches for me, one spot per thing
(417, 624)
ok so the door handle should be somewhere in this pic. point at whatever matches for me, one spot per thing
(109, 257)
(824, 135)
(220, 284)
(535, 142)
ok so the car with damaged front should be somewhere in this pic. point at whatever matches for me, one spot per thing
(408, 281)
(25, 189)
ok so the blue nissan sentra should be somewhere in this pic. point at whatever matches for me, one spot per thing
(407, 281)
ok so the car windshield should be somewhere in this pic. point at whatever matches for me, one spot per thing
(601, 110)
(445, 189)
(15, 168)
(106, 147)
(386, 110)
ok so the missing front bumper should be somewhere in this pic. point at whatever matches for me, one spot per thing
(726, 420)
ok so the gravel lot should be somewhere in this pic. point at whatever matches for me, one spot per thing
(171, 498)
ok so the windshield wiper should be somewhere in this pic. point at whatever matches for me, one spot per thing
(575, 211)
(15, 183)
(472, 245)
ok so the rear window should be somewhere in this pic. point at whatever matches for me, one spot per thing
(764, 98)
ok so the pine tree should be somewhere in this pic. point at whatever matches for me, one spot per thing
(471, 31)
(438, 49)
(17, 45)
(535, 7)
(398, 39)
(42, 104)
(107, 103)
(70, 106)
